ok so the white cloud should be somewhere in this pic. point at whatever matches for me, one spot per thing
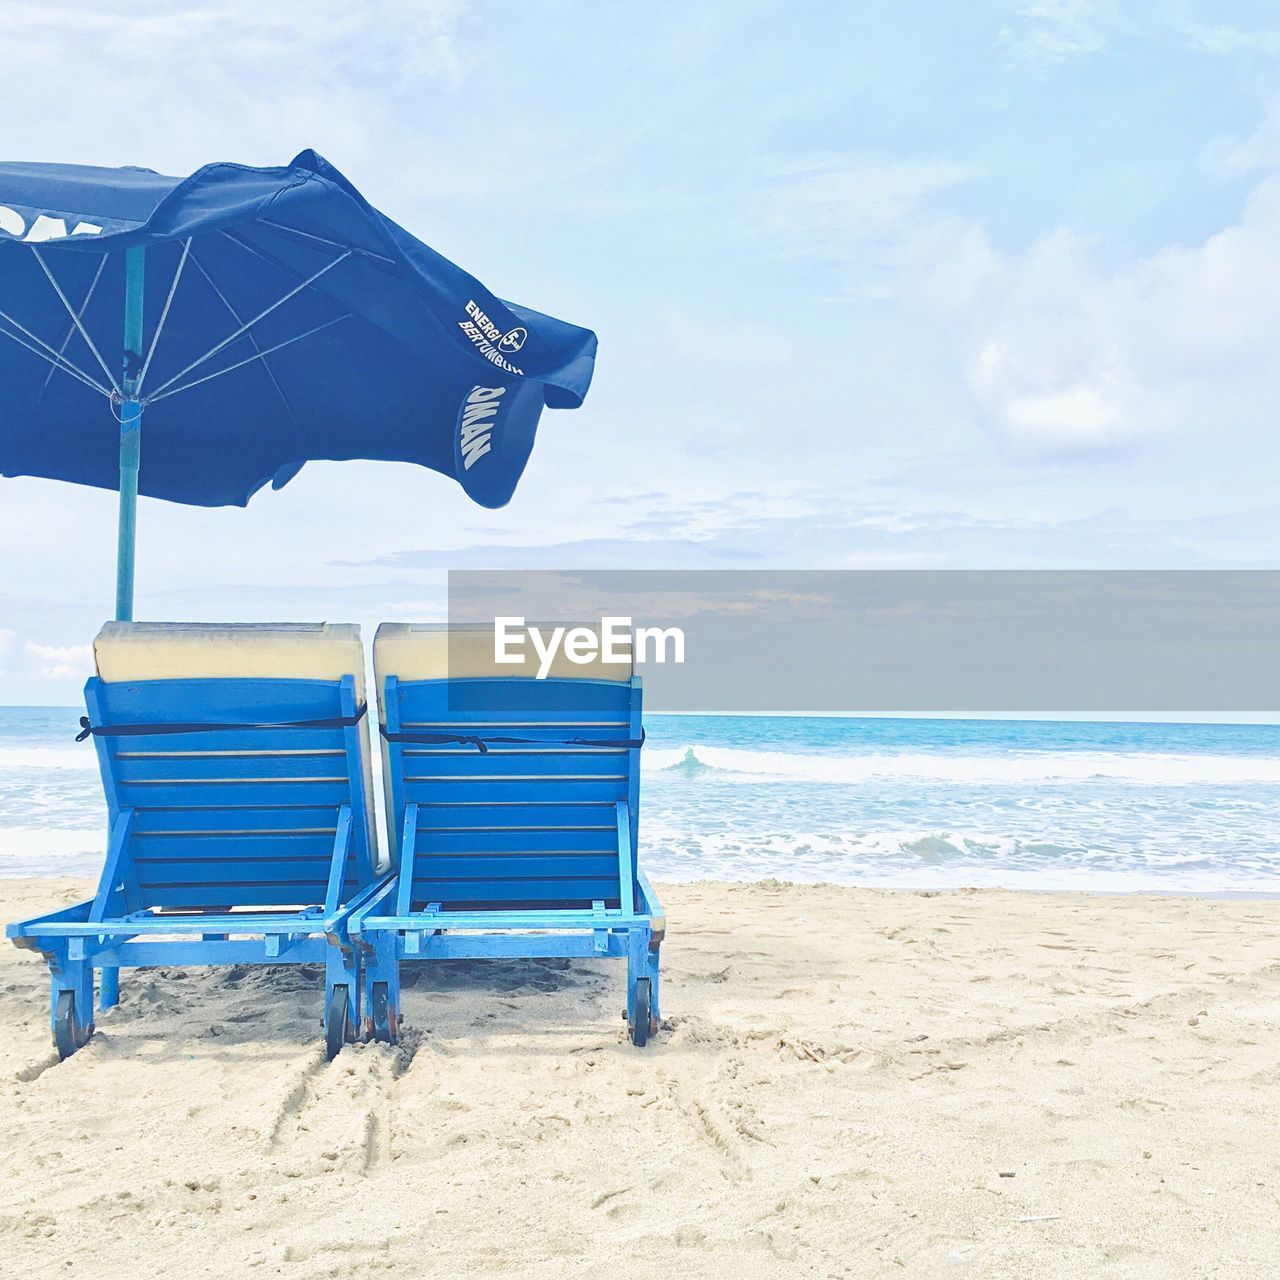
(836, 191)
(1062, 354)
(282, 76)
(412, 39)
(61, 662)
(856, 217)
(1221, 39)
(1258, 152)
(1057, 29)
(733, 342)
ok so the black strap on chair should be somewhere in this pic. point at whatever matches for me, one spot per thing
(482, 743)
(146, 730)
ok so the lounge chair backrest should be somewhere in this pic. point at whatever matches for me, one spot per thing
(531, 821)
(246, 814)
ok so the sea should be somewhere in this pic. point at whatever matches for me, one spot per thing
(892, 803)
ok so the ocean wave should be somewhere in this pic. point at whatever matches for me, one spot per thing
(47, 758)
(918, 858)
(39, 851)
(1156, 769)
(737, 763)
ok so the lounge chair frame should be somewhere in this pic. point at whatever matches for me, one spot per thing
(549, 783)
(216, 834)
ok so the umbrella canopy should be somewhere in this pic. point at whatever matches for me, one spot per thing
(254, 319)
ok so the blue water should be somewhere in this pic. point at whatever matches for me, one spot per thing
(910, 803)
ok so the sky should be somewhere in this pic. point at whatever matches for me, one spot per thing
(991, 284)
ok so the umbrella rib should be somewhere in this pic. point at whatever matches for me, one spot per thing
(261, 355)
(263, 256)
(235, 315)
(272, 261)
(62, 349)
(75, 319)
(331, 244)
(55, 358)
(244, 328)
(164, 315)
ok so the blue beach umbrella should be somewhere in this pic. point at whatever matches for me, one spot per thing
(194, 339)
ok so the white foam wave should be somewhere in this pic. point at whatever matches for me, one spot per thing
(1015, 767)
(47, 758)
(911, 858)
(36, 851)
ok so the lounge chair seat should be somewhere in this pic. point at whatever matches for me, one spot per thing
(235, 762)
(513, 803)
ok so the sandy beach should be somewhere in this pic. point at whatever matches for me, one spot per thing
(849, 1083)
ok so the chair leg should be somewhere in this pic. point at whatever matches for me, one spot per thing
(71, 1004)
(342, 969)
(382, 989)
(637, 966)
(631, 979)
(640, 987)
(651, 972)
(108, 988)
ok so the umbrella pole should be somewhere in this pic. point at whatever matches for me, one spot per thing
(130, 431)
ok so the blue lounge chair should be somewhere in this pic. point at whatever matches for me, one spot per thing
(513, 804)
(235, 762)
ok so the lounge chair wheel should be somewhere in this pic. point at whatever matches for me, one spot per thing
(638, 1027)
(337, 1023)
(66, 1031)
(383, 1024)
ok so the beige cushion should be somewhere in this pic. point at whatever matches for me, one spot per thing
(420, 651)
(230, 650)
(241, 651)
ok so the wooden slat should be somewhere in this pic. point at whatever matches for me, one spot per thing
(215, 795)
(212, 848)
(220, 699)
(438, 817)
(218, 897)
(565, 699)
(513, 791)
(496, 915)
(521, 867)
(588, 841)
(580, 889)
(292, 764)
(528, 762)
(227, 740)
(237, 871)
(549, 729)
(149, 822)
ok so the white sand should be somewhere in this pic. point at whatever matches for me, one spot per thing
(845, 1077)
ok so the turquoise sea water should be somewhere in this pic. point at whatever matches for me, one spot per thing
(919, 803)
